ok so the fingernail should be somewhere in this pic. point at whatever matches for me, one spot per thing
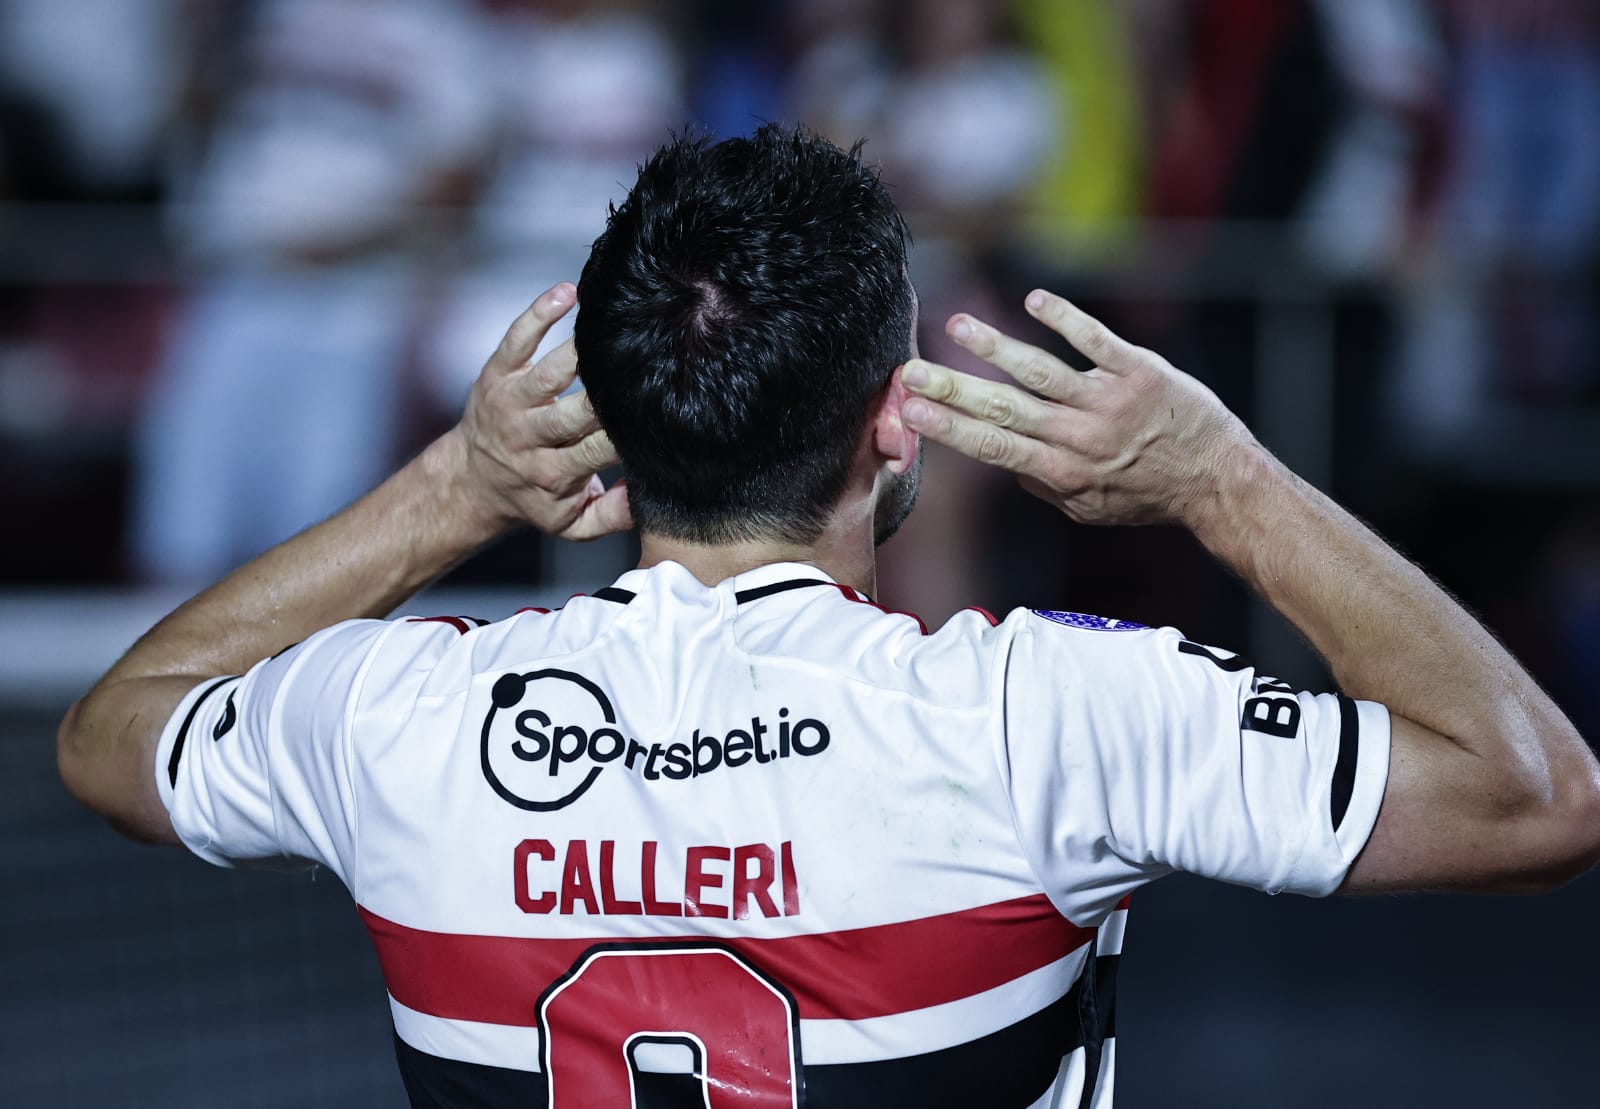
(1036, 300)
(914, 375)
(961, 330)
(915, 412)
(561, 294)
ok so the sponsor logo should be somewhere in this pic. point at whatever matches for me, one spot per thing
(550, 734)
(1089, 623)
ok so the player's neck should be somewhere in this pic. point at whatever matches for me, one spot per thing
(844, 554)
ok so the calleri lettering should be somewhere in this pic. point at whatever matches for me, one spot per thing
(755, 879)
(565, 731)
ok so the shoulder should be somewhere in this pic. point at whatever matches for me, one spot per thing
(1059, 631)
(1103, 656)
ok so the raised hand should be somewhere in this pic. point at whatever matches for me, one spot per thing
(528, 454)
(1132, 441)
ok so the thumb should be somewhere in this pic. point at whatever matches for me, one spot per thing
(604, 515)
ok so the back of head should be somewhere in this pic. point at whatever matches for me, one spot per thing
(743, 307)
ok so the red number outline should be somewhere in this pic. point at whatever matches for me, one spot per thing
(662, 960)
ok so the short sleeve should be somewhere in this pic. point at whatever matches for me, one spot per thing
(1132, 753)
(256, 769)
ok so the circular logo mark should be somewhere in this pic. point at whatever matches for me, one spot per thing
(546, 737)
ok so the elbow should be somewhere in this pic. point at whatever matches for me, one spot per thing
(72, 761)
(81, 762)
(88, 771)
(1564, 841)
(1581, 819)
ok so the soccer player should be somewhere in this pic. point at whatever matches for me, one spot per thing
(725, 828)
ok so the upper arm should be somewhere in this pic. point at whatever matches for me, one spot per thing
(250, 767)
(1135, 755)
(1452, 819)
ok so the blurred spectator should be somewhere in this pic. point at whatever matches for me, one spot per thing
(1377, 184)
(967, 123)
(89, 93)
(841, 69)
(1092, 187)
(280, 396)
(582, 93)
(1243, 104)
(1519, 222)
(110, 75)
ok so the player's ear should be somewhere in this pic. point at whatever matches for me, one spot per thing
(894, 442)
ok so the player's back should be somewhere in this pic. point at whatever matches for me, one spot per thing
(759, 832)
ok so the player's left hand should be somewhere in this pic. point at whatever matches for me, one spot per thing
(1134, 440)
(526, 453)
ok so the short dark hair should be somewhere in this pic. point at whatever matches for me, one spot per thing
(742, 308)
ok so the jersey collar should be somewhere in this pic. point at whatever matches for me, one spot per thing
(752, 585)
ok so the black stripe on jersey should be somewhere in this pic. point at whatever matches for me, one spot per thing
(183, 729)
(760, 591)
(1231, 665)
(1008, 1069)
(435, 1083)
(623, 596)
(1344, 768)
(1097, 1018)
(1011, 1067)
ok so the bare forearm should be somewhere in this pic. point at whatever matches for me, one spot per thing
(1385, 629)
(360, 563)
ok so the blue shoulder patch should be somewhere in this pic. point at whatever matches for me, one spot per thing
(1089, 623)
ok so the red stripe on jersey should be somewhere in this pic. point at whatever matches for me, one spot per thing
(985, 613)
(456, 622)
(851, 974)
(850, 594)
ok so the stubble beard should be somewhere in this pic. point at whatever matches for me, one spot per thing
(898, 499)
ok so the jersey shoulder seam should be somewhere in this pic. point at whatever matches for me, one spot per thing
(352, 710)
(1000, 751)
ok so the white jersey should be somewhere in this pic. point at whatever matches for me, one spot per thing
(764, 843)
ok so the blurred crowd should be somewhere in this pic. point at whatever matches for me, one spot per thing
(254, 252)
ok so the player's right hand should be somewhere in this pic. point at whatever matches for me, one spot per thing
(1132, 441)
(526, 453)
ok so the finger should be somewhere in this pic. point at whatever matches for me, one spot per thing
(605, 515)
(991, 401)
(563, 421)
(547, 378)
(975, 438)
(544, 380)
(528, 330)
(1091, 338)
(1029, 366)
(586, 457)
